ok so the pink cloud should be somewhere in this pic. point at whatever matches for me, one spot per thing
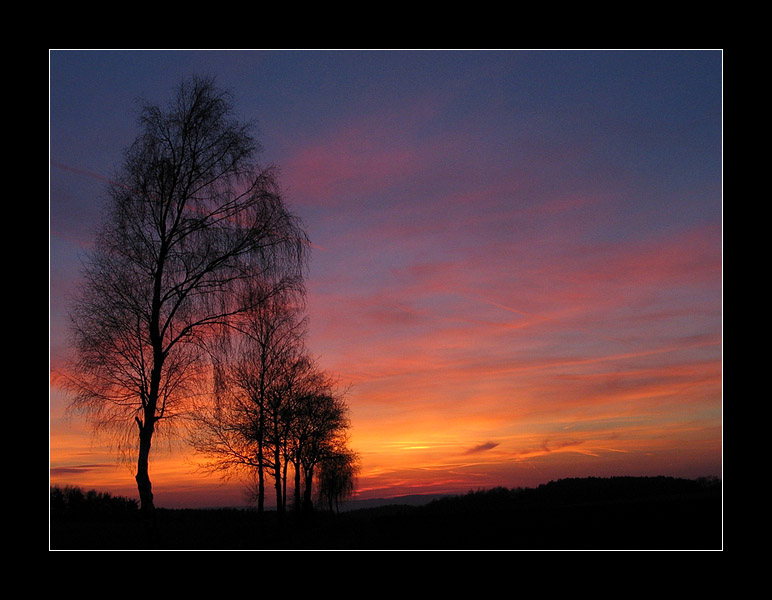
(336, 169)
(359, 157)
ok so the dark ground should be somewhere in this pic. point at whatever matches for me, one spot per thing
(572, 514)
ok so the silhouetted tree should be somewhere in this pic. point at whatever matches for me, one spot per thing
(337, 476)
(245, 427)
(305, 383)
(191, 222)
(274, 409)
(288, 389)
(321, 424)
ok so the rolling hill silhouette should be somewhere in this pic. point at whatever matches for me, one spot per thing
(617, 513)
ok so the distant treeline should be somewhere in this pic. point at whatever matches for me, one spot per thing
(586, 513)
(589, 513)
(73, 502)
(576, 491)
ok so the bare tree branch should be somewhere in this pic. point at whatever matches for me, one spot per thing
(192, 224)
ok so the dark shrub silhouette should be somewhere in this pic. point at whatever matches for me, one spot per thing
(73, 503)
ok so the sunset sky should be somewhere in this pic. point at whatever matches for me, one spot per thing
(517, 255)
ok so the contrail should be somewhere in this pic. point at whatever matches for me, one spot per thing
(111, 181)
(81, 172)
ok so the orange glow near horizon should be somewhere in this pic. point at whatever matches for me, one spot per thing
(448, 442)
(447, 408)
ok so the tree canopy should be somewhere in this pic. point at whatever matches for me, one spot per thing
(192, 225)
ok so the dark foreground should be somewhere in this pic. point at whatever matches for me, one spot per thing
(572, 514)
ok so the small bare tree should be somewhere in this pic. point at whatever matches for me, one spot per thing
(274, 410)
(337, 476)
(321, 422)
(244, 428)
(192, 222)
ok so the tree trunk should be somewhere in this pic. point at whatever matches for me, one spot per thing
(144, 486)
(308, 503)
(296, 464)
(277, 477)
(260, 440)
(260, 478)
(274, 426)
(147, 426)
(284, 484)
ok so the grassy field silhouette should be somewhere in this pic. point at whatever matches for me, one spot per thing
(618, 513)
